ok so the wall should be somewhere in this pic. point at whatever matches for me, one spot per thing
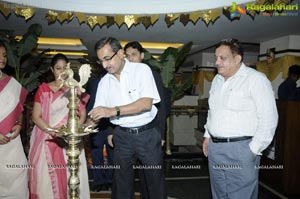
(281, 43)
(207, 59)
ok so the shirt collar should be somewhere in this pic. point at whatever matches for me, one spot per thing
(126, 69)
(241, 72)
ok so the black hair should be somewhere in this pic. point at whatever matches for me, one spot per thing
(2, 44)
(294, 69)
(134, 45)
(7, 69)
(57, 57)
(234, 45)
(113, 42)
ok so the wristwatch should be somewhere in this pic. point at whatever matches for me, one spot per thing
(118, 110)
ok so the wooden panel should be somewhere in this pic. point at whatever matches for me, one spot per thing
(287, 145)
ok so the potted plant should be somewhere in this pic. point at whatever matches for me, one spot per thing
(22, 57)
(168, 64)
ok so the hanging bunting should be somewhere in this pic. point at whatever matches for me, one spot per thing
(110, 21)
(51, 16)
(65, 16)
(205, 15)
(119, 20)
(194, 16)
(27, 13)
(215, 14)
(184, 19)
(170, 18)
(5, 9)
(154, 19)
(130, 20)
(251, 13)
(80, 17)
(210, 16)
(101, 20)
(92, 21)
(146, 21)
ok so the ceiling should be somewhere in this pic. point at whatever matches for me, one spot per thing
(248, 30)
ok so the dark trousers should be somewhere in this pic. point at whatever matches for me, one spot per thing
(144, 194)
(145, 147)
(100, 175)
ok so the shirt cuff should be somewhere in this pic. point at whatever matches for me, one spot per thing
(255, 147)
(206, 134)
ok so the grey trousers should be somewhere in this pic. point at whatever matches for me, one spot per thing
(233, 170)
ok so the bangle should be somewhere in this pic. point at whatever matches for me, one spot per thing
(18, 123)
(118, 111)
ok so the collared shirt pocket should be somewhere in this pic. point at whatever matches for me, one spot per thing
(133, 94)
(237, 101)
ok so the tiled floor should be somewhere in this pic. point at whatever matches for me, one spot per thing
(194, 183)
(187, 178)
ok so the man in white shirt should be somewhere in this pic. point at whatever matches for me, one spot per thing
(241, 123)
(128, 94)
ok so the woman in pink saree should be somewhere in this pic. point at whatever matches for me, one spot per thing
(13, 162)
(48, 178)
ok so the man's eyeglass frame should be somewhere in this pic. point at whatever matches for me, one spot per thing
(107, 59)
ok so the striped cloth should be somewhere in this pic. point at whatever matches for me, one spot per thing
(12, 98)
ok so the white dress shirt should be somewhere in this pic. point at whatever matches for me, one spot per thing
(243, 105)
(136, 81)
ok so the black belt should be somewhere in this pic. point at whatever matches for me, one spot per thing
(138, 129)
(234, 139)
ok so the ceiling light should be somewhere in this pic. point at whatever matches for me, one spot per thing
(155, 45)
(67, 44)
(59, 41)
(67, 53)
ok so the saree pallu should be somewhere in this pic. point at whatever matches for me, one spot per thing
(13, 171)
(13, 163)
(48, 178)
(12, 98)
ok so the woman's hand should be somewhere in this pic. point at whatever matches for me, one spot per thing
(15, 131)
(51, 131)
(4, 139)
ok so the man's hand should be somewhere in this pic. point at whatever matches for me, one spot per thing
(110, 140)
(205, 146)
(101, 112)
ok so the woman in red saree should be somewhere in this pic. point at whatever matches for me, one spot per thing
(48, 178)
(13, 163)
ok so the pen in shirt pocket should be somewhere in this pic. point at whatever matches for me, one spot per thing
(131, 91)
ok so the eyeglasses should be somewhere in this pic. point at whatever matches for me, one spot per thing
(107, 59)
